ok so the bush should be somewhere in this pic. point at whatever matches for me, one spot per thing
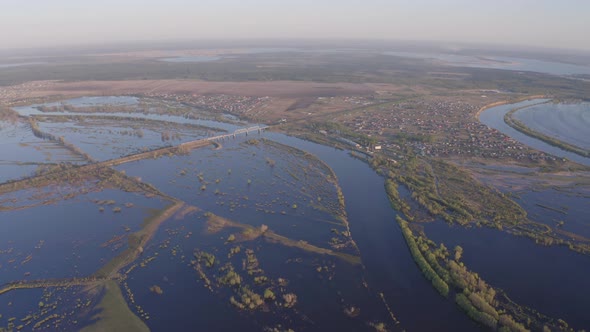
(509, 322)
(269, 295)
(478, 316)
(482, 305)
(441, 286)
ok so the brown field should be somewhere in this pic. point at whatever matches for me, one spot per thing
(288, 89)
(293, 100)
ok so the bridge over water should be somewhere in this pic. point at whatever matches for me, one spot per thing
(181, 148)
(257, 129)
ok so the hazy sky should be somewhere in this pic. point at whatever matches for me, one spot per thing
(550, 23)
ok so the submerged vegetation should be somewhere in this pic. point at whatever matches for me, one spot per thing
(250, 291)
(216, 224)
(60, 140)
(448, 192)
(250, 288)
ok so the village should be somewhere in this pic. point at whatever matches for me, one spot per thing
(233, 104)
(439, 129)
(436, 127)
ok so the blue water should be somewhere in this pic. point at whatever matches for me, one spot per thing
(567, 122)
(108, 142)
(552, 280)
(19, 145)
(19, 304)
(73, 239)
(100, 101)
(574, 209)
(72, 232)
(269, 197)
(61, 301)
(389, 267)
(494, 118)
(120, 101)
(118, 140)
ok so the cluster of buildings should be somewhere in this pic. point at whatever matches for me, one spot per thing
(355, 100)
(238, 105)
(440, 129)
(22, 93)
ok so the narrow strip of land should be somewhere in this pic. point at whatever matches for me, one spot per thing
(44, 283)
(137, 242)
(523, 128)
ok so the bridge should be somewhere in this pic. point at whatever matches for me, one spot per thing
(181, 148)
(257, 129)
(178, 149)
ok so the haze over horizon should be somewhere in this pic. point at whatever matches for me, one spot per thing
(545, 23)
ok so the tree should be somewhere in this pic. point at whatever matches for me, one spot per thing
(458, 253)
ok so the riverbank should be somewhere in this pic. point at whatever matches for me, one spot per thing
(506, 102)
(520, 126)
(113, 313)
(539, 151)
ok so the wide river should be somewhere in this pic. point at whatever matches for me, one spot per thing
(390, 268)
(494, 118)
(567, 122)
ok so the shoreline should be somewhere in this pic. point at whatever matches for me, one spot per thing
(523, 128)
(506, 102)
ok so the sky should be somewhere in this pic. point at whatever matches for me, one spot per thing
(546, 23)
